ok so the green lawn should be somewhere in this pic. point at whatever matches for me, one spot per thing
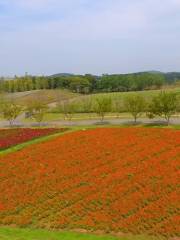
(52, 115)
(147, 94)
(86, 116)
(28, 234)
(81, 116)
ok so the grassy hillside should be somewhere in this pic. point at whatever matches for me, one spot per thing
(145, 94)
(48, 96)
(110, 179)
(51, 96)
(122, 95)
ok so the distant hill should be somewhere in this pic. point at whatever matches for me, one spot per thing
(62, 75)
(169, 76)
(152, 72)
(89, 83)
(155, 72)
(172, 76)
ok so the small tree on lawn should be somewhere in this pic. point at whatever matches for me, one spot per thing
(102, 106)
(68, 109)
(117, 106)
(10, 111)
(37, 110)
(87, 105)
(1, 103)
(178, 103)
(164, 105)
(135, 105)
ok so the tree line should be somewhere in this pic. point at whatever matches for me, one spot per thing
(85, 84)
(165, 104)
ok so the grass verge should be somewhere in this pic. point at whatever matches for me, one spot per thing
(29, 234)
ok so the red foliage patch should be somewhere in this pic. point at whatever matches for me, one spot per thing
(110, 179)
(11, 137)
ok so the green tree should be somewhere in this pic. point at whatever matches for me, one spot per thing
(10, 111)
(36, 110)
(135, 105)
(117, 106)
(80, 85)
(102, 106)
(164, 105)
(68, 108)
(86, 105)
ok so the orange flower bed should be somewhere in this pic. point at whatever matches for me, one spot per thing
(111, 179)
(12, 137)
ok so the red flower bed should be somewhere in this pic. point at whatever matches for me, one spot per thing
(11, 137)
(111, 179)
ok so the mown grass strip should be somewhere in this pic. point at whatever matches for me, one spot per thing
(29, 234)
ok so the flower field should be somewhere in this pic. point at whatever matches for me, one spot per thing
(111, 179)
(11, 137)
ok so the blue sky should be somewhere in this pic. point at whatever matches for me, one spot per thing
(89, 36)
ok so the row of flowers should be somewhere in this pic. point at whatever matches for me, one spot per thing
(11, 137)
(111, 179)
